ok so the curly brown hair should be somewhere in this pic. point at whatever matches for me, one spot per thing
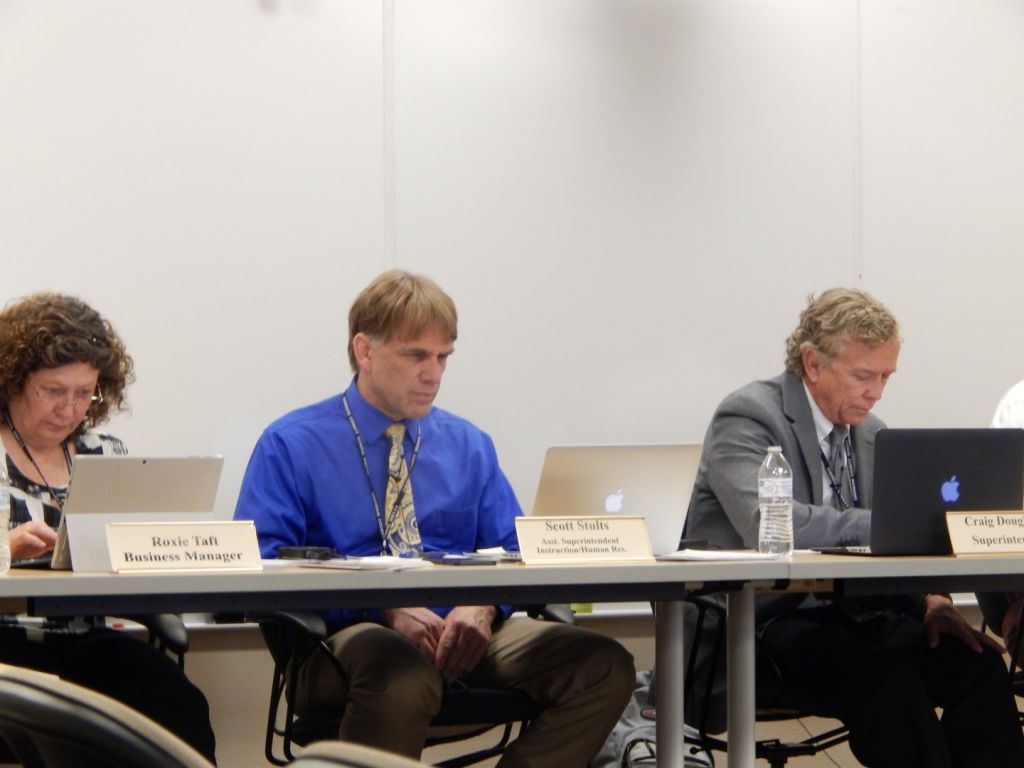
(48, 330)
(835, 317)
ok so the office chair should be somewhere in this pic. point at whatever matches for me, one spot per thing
(50, 723)
(166, 633)
(705, 693)
(464, 714)
(335, 754)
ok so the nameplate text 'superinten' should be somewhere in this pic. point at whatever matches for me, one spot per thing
(605, 538)
(206, 545)
(973, 533)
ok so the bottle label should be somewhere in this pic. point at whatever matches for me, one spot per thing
(775, 487)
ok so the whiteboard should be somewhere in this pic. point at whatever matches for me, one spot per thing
(629, 200)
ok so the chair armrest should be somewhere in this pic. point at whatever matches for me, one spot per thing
(309, 623)
(168, 629)
(713, 603)
(558, 612)
(290, 635)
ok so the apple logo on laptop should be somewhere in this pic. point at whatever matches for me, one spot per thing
(613, 502)
(951, 489)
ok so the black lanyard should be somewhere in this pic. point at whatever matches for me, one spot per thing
(21, 444)
(384, 524)
(851, 472)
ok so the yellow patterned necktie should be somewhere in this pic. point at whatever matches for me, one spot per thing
(401, 531)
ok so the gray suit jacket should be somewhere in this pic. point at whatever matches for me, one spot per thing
(723, 508)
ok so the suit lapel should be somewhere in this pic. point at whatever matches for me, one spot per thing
(798, 412)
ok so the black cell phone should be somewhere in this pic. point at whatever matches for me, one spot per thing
(305, 553)
(847, 550)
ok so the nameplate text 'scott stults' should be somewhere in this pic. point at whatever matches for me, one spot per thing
(606, 538)
(972, 533)
(222, 545)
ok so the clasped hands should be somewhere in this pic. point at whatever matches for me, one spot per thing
(453, 644)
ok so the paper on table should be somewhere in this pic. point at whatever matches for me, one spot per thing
(374, 563)
(500, 554)
(718, 554)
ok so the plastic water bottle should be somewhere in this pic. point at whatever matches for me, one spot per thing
(775, 501)
(5, 518)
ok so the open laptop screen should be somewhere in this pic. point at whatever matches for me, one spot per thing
(654, 481)
(920, 474)
(106, 489)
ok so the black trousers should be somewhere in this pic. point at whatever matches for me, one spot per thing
(123, 668)
(877, 675)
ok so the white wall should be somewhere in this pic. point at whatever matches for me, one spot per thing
(628, 199)
(944, 199)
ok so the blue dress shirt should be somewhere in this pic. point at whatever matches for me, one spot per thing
(305, 484)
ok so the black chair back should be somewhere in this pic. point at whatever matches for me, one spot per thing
(49, 723)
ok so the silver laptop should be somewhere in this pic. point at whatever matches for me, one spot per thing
(107, 489)
(653, 481)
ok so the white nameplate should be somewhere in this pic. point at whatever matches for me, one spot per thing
(980, 532)
(605, 538)
(203, 545)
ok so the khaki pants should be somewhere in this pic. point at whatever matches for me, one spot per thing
(390, 692)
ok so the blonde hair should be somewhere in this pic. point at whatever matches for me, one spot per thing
(399, 302)
(837, 316)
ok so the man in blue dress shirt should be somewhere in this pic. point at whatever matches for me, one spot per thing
(379, 470)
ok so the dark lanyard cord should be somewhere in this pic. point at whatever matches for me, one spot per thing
(382, 523)
(24, 447)
(834, 482)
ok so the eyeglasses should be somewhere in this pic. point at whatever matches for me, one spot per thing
(56, 396)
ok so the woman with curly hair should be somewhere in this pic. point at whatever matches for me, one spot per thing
(63, 369)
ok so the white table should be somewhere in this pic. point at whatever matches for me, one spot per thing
(853, 575)
(909, 575)
(666, 584)
(846, 574)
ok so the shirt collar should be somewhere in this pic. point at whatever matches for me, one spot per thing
(822, 424)
(372, 422)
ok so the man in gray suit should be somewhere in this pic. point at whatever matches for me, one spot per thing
(881, 665)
